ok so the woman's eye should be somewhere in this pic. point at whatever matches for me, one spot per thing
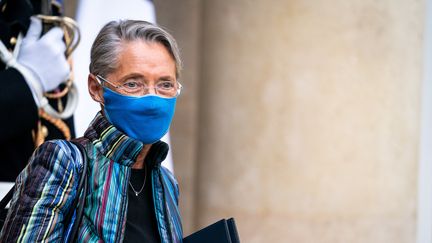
(131, 85)
(166, 85)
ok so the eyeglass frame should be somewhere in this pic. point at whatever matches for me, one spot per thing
(99, 78)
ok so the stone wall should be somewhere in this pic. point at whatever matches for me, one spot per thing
(307, 117)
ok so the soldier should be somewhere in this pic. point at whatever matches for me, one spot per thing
(33, 70)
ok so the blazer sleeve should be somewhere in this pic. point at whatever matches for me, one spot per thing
(44, 194)
(17, 105)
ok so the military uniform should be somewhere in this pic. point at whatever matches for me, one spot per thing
(20, 122)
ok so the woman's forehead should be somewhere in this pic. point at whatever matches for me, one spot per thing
(145, 57)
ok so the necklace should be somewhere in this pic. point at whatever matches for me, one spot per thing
(145, 176)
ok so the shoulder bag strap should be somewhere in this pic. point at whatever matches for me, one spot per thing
(3, 203)
(6, 199)
(81, 196)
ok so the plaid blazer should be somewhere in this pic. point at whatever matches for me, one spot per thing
(47, 187)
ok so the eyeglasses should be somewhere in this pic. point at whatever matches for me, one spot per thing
(169, 89)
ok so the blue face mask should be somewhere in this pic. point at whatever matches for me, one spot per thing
(146, 118)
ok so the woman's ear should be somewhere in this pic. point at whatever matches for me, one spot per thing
(95, 89)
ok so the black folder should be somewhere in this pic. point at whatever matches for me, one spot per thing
(223, 231)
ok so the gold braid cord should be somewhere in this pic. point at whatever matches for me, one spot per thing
(42, 132)
(72, 38)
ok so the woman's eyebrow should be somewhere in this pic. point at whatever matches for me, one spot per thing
(132, 75)
(167, 77)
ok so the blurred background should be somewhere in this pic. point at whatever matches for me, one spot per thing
(306, 121)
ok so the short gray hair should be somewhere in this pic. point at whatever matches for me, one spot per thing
(107, 45)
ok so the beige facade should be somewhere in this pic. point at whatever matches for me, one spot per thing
(299, 118)
(303, 117)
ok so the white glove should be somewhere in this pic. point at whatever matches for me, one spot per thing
(44, 56)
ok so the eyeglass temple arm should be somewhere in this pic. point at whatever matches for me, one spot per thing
(104, 80)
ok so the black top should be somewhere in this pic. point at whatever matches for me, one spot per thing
(141, 225)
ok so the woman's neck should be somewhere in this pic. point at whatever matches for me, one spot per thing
(139, 162)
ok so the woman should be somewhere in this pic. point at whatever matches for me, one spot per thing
(133, 75)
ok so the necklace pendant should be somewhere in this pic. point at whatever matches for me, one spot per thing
(145, 177)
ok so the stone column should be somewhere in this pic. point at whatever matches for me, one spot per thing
(309, 119)
(183, 20)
